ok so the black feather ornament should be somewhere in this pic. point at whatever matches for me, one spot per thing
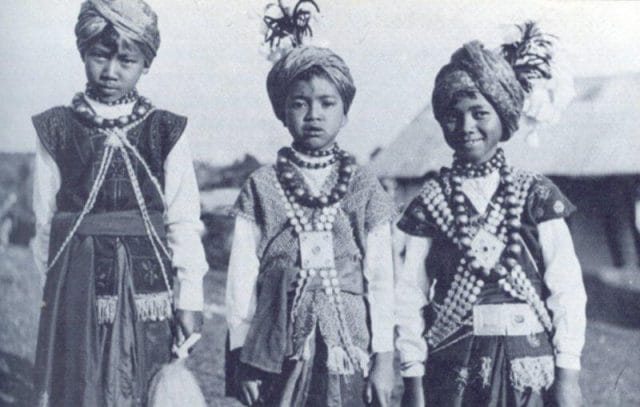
(531, 55)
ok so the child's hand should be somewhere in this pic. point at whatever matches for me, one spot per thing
(190, 321)
(566, 391)
(248, 384)
(249, 392)
(380, 382)
(413, 395)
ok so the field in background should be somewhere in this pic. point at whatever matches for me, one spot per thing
(611, 368)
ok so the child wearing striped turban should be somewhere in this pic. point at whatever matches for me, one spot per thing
(117, 220)
(491, 303)
(310, 282)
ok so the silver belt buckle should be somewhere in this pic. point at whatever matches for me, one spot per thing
(505, 319)
(487, 320)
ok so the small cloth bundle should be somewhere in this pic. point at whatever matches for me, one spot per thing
(174, 385)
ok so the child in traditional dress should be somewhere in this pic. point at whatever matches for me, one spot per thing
(491, 303)
(117, 210)
(310, 280)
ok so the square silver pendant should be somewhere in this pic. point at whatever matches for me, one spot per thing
(486, 248)
(316, 250)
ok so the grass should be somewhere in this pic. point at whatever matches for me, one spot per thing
(610, 375)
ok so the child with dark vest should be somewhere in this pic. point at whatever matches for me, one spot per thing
(490, 300)
(117, 209)
(310, 281)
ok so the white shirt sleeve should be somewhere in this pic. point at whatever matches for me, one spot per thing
(378, 272)
(242, 278)
(184, 227)
(567, 299)
(46, 183)
(412, 294)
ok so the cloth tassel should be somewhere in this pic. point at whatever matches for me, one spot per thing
(44, 400)
(535, 373)
(338, 361)
(149, 307)
(362, 358)
(107, 309)
(153, 307)
(342, 362)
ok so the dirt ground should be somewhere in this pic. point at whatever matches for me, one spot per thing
(611, 361)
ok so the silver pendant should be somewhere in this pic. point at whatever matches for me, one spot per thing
(486, 248)
(316, 250)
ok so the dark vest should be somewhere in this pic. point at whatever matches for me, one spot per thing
(77, 150)
(544, 202)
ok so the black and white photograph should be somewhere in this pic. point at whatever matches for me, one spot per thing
(319, 203)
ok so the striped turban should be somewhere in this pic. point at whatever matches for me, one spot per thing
(301, 60)
(132, 19)
(474, 68)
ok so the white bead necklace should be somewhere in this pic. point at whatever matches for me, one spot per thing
(321, 220)
(467, 285)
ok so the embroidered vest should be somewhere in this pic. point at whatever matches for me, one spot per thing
(365, 206)
(77, 151)
(544, 201)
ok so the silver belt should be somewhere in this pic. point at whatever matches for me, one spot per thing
(505, 319)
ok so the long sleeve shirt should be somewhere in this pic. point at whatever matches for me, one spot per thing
(563, 278)
(182, 218)
(244, 264)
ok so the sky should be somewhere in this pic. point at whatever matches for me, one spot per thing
(211, 67)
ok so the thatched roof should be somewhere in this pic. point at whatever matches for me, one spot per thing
(599, 134)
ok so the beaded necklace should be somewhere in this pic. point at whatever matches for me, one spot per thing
(300, 162)
(312, 220)
(470, 170)
(83, 110)
(315, 153)
(131, 96)
(294, 184)
(490, 249)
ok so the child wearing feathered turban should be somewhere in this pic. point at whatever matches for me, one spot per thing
(490, 301)
(310, 282)
(117, 219)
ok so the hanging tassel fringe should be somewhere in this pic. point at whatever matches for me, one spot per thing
(44, 400)
(149, 307)
(341, 362)
(106, 309)
(153, 307)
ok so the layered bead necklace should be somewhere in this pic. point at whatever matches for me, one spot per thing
(315, 153)
(300, 162)
(294, 183)
(312, 217)
(83, 110)
(490, 248)
(91, 93)
(470, 170)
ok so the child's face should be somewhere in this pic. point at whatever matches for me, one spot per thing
(314, 112)
(113, 69)
(472, 128)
